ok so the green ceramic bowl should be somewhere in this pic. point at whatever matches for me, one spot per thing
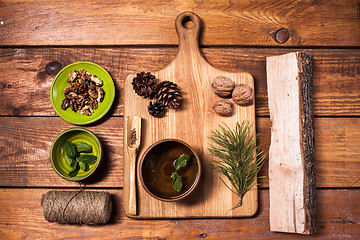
(58, 156)
(57, 93)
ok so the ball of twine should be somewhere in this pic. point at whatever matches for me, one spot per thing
(82, 207)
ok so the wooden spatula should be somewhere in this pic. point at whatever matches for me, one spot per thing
(132, 141)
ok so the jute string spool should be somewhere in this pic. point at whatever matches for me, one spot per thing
(81, 207)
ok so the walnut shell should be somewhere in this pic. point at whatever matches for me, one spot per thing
(243, 95)
(223, 86)
(223, 108)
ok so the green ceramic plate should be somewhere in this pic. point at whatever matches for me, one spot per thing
(58, 156)
(57, 93)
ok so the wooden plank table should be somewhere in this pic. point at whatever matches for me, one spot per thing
(39, 37)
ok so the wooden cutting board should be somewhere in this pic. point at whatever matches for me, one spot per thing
(191, 123)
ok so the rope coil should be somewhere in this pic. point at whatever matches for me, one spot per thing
(81, 207)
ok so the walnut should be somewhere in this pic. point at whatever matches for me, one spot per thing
(223, 86)
(71, 95)
(86, 110)
(84, 92)
(243, 95)
(92, 85)
(67, 90)
(92, 93)
(100, 94)
(223, 108)
(73, 75)
(97, 81)
(82, 72)
(93, 103)
(65, 104)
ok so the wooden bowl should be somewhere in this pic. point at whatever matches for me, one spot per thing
(157, 165)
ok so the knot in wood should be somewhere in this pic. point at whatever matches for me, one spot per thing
(282, 35)
(53, 68)
(16, 112)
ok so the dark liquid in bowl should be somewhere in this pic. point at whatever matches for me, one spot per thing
(159, 165)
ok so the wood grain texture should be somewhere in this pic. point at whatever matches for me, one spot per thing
(192, 123)
(25, 152)
(292, 150)
(309, 23)
(26, 221)
(25, 159)
(26, 74)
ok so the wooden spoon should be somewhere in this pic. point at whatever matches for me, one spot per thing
(132, 139)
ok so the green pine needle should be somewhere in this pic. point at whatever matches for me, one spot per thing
(356, 182)
(240, 158)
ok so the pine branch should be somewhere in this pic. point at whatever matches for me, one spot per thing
(240, 158)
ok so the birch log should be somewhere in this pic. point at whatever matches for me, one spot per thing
(292, 149)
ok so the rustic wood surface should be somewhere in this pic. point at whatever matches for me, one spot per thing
(38, 38)
(309, 23)
(25, 221)
(26, 74)
(25, 158)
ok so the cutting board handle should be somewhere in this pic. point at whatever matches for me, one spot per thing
(188, 36)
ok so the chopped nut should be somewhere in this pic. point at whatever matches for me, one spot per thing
(82, 81)
(71, 95)
(85, 110)
(67, 90)
(84, 92)
(93, 93)
(72, 106)
(82, 72)
(93, 104)
(100, 94)
(223, 108)
(65, 104)
(223, 86)
(243, 95)
(97, 81)
(92, 85)
(73, 75)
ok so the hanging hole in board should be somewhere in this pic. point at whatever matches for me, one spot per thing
(187, 22)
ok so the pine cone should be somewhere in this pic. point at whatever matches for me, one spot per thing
(168, 93)
(156, 108)
(144, 84)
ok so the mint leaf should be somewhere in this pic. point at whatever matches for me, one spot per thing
(87, 159)
(83, 166)
(83, 147)
(70, 150)
(75, 169)
(181, 161)
(73, 162)
(69, 161)
(176, 181)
